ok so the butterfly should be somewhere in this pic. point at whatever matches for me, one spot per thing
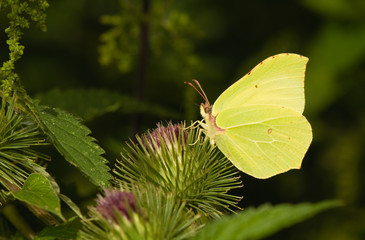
(257, 122)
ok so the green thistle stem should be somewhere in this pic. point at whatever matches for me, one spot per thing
(11, 213)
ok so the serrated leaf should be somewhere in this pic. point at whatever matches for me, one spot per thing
(72, 140)
(261, 222)
(91, 103)
(63, 231)
(38, 191)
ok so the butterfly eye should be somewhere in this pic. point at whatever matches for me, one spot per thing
(208, 109)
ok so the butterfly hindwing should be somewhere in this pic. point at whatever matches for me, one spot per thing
(263, 140)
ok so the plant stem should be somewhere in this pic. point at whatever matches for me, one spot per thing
(143, 60)
(18, 222)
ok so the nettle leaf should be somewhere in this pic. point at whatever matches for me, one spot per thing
(72, 140)
(92, 103)
(257, 223)
(66, 230)
(38, 191)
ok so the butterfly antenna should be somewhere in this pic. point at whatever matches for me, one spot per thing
(200, 90)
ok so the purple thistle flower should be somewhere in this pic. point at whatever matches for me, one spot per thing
(168, 134)
(115, 202)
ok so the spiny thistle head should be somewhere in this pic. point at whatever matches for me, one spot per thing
(183, 163)
(142, 213)
(115, 203)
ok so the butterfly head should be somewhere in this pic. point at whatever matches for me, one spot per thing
(209, 125)
(205, 108)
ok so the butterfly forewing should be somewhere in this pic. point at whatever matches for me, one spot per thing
(278, 80)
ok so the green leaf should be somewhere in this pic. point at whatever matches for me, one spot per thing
(71, 204)
(66, 230)
(71, 139)
(263, 221)
(38, 191)
(91, 103)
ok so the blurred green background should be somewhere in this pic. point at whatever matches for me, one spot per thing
(99, 61)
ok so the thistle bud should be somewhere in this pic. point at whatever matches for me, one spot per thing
(170, 135)
(115, 203)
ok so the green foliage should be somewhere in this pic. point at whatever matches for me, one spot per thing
(17, 132)
(18, 16)
(120, 43)
(262, 222)
(18, 136)
(66, 230)
(92, 103)
(71, 139)
(71, 205)
(38, 191)
(170, 30)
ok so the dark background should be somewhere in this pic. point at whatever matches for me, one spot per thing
(216, 42)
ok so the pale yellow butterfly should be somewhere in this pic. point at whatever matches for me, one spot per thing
(257, 122)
